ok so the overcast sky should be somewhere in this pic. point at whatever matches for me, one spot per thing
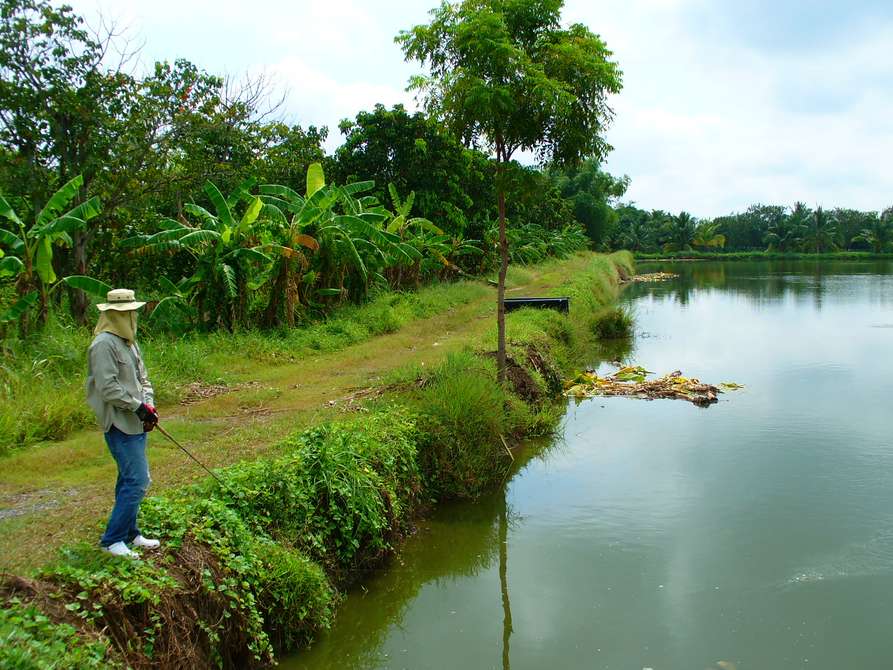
(725, 102)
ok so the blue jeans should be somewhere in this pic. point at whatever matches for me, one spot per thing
(129, 452)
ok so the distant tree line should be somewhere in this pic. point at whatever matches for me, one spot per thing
(760, 228)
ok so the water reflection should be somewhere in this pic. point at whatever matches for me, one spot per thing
(504, 583)
(758, 534)
(764, 282)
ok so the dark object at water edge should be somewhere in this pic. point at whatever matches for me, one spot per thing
(561, 304)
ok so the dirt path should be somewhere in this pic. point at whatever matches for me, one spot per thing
(60, 492)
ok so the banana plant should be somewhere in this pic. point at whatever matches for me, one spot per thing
(418, 239)
(288, 243)
(29, 256)
(225, 249)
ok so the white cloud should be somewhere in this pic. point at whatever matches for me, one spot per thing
(723, 105)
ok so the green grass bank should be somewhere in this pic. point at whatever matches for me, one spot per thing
(42, 379)
(258, 567)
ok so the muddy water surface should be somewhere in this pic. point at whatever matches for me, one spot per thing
(755, 534)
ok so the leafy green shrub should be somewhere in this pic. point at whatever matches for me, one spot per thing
(462, 427)
(613, 324)
(29, 640)
(295, 596)
(340, 491)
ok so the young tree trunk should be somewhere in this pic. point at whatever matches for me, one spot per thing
(503, 268)
(78, 300)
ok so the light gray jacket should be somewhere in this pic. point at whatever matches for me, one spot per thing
(117, 383)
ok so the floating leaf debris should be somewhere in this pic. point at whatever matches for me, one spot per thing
(633, 382)
(652, 277)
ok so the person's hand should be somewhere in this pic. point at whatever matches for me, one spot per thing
(148, 415)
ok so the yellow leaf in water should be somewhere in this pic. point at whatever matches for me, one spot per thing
(578, 391)
(726, 665)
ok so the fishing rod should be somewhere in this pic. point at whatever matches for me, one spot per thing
(186, 451)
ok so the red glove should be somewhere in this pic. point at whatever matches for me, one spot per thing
(148, 415)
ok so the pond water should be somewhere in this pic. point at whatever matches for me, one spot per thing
(755, 534)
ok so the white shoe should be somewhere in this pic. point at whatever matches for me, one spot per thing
(145, 543)
(121, 549)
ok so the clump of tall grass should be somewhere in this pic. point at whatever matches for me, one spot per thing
(462, 425)
(613, 324)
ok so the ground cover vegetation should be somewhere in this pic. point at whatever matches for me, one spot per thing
(257, 565)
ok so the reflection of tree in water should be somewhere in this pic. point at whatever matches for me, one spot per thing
(460, 540)
(758, 282)
(504, 582)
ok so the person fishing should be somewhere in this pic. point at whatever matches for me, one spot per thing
(119, 392)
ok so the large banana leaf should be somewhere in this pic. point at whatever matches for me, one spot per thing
(199, 236)
(229, 276)
(173, 224)
(10, 266)
(224, 213)
(201, 213)
(358, 187)
(94, 287)
(168, 286)
(241, 191)
(59, 201)
(250, 215)
(425, 224)
(64, 224)
(167, 308)
(11, 240)
(43, 261)
(7, 211)
(157, 248)
(285, 252)
(86, 210)
(397, 224)
(249, 255)
(283, 192)
(316, 178)
(273, 212)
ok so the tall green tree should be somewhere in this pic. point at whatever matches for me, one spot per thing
(878, 233)
(414, 152)
(592, 193)
(504, 74)
(820, 231)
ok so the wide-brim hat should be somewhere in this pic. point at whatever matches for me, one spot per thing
(120, 300)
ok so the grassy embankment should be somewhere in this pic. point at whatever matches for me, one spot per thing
(761, 256)
(257, 567)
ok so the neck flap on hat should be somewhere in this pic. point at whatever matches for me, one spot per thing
(122, 324)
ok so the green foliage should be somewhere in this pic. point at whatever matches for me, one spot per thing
(614, 324)
(29, 640)
(338, 493)
(32, 266)
(507, 75)
(462, 427)
(453, 185)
